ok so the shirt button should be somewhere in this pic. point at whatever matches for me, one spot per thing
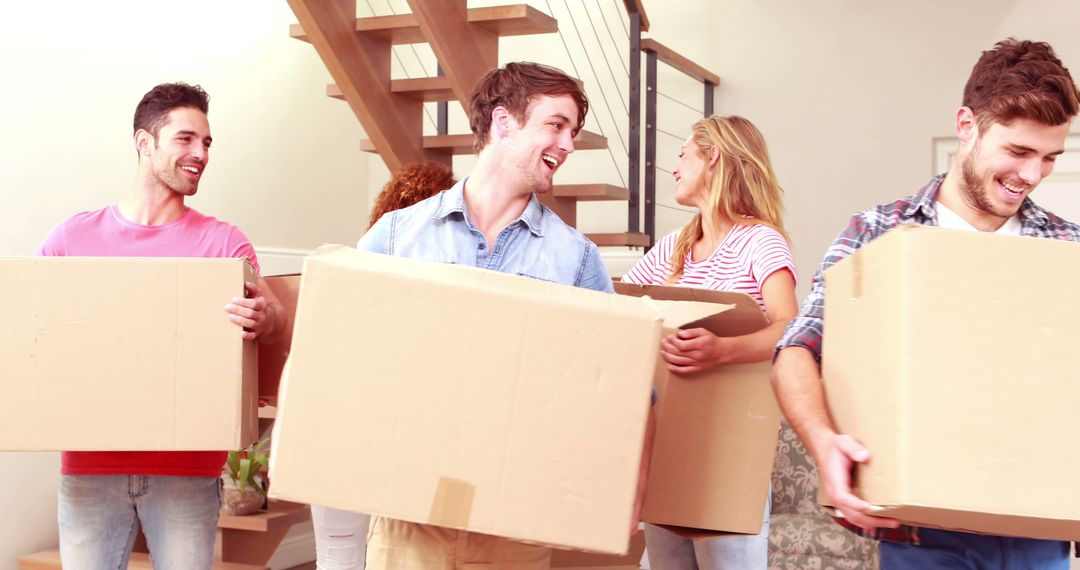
(480, 246)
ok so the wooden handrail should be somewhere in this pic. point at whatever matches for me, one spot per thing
(632, 5)
(679, 61)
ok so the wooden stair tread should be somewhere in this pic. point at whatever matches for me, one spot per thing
(429, 89)
(590, 192)
(50, 559)
(679, 61)
(280, 514)
(463, 144)
(620, 239)
(511, 20)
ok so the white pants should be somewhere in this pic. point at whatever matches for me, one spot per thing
(340, 538)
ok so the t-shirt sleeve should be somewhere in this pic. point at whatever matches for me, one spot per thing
(240, 248)
(54, 241)
(771, 253)
(649, 270)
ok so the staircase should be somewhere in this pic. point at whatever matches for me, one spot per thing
(356, 51)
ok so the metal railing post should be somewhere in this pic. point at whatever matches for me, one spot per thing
(710, 91)
(634, 151)
(650, 146)
(442, 116)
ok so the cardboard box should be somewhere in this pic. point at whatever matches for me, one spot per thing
(716, 430)
(465, 398)
(577, 560)
(948, 355)
(272, 357)
(124, 354)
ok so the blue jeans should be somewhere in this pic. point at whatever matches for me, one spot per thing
(669, 551)
(964, 550)
(100, 514)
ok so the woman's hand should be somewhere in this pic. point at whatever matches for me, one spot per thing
(693, 350)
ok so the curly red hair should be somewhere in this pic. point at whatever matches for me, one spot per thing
(413, 183)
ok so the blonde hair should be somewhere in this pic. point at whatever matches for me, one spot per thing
(741, 183)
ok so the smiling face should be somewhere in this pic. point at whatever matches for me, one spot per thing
(1006, 163)
(179, 154)
(689, 173)
(541, 143)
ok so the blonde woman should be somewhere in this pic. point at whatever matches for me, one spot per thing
(735, 242)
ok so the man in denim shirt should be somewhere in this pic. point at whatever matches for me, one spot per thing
(524, 117)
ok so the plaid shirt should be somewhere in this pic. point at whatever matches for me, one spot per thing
(807, 328)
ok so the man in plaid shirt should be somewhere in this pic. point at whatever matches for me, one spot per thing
(1018, 105)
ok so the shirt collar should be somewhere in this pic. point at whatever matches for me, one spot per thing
(924, 200)
(453, 201)
(1031, 214)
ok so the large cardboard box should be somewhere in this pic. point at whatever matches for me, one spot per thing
(948, 354)
(465, 398)
(272, 357)
(716, 430)
(124, 354)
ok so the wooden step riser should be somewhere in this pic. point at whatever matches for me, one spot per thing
(515, 20)
(463, 144)
(427, 89)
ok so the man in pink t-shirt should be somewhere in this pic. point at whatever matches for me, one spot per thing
(104, 496)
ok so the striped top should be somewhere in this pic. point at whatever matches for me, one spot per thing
(744, 259)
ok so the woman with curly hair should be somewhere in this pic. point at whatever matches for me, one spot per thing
(735, 242)
(414, 182)
(341, 536)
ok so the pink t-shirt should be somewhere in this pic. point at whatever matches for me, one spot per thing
(748, 255)
(106, 233)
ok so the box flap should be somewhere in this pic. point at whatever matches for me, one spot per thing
(732, 314)
(272, 356)
(716, 430)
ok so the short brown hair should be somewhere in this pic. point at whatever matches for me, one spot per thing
(514, 86)
(413, 183)
(154, 108)
(1021, 79)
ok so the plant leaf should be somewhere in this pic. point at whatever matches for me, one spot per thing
(233, 462)
(244, 478)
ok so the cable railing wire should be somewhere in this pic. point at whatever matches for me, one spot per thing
(619, 10)
(687, 105)
(599, 84)
(670, 134)
(607, 62)
(607, 26)
(676, 208)
(599, 126)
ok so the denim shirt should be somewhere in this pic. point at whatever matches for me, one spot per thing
(537, 244)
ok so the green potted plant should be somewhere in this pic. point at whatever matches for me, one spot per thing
(243, 489)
